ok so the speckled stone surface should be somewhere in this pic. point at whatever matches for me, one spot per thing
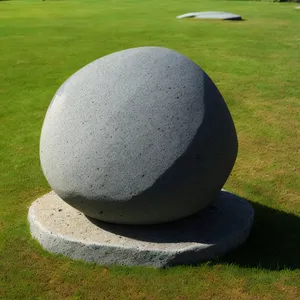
(141, 136)
(218, 15)
(222, 226)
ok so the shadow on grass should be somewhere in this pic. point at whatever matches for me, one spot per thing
(273, 243)
(234, 20)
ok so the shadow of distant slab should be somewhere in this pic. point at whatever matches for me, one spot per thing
(213, 15)
(59, 228)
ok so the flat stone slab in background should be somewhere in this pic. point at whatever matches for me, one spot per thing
(218, 15)
(60, 228)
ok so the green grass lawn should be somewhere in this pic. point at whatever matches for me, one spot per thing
(255, 64)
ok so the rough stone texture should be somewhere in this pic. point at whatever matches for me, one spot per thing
(219, 15)
(140, 136)
(215, 230)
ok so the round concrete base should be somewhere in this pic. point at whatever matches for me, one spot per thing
(213, 231)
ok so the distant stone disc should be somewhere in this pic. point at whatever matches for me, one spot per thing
(218, 15)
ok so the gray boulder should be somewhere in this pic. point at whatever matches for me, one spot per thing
(140, 136)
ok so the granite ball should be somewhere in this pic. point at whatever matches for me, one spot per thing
(140, 136)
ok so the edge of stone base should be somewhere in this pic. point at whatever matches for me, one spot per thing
(104, 254)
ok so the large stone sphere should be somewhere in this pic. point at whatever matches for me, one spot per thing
(140, 136)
